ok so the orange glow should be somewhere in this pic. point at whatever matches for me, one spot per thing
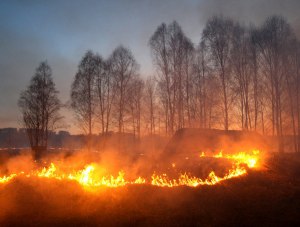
(6, 179)
(191, 181)
(89, 177)
(248, 158)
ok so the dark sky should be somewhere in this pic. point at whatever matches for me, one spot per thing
(60, 32)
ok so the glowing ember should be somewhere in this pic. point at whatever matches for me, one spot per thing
(89, 177)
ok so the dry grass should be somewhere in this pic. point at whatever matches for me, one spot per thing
(258, 199)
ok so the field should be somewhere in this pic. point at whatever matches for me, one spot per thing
(269, 197)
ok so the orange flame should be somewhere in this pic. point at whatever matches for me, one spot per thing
(88, 177)
(250, 158)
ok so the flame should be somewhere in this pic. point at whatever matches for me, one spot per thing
(140, 180)
(250, 158)
(89, 177)
(49, 172)
(191, 181)
(6, 179)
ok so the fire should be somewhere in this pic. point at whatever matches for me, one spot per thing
(89, 177)
(84, 177)
(140, 180)
(6, 179)
(191, 181)
(250, 158)
(47, 172)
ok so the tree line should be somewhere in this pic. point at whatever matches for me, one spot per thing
(235, 77)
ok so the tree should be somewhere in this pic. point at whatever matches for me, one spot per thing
(160, 53)
(292, 83)
(40, 107)
(201, 83)
(135, 95)
(83, 98)
(150, 95)
(274, 38)
(241, 67)
(297, 89)
(172, 54)
(217, 37)
(254, 67)
(188, 55)
(123, 68)
(104, 92)
(297, 83)
(175, 45)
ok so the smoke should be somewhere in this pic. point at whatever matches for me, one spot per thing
(41, 201)
(255, 11)
(142, 157)
(46, 201)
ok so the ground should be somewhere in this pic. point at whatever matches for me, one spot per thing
(261, 198)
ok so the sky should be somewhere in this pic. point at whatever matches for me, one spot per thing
(61, 32)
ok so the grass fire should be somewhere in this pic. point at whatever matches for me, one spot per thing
(90, 176)
(100, 188)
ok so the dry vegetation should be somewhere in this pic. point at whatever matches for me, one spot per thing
(260, 198)
(266, 196)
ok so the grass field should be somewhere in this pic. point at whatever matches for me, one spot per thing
(261, 198)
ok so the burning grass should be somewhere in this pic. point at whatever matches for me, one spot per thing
(64, 193)
(258, 199)
(91, 175)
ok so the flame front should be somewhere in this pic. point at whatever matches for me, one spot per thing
(6, 179)
(250, 159)
(89, 178)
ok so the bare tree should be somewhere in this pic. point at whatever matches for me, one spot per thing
(254, 68)
(188, 55)
(161, 58)
(292, 83)
(297, 86)
(104, 92)
(40, 107)
(172, 54)
(206, 92)
(217, 37)
(123, 68)
(240, 60)
(150, 96)
(135, 95)
(83, 98)
(175, 46)
(274, 37)
(201, 77)
(297, 83)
